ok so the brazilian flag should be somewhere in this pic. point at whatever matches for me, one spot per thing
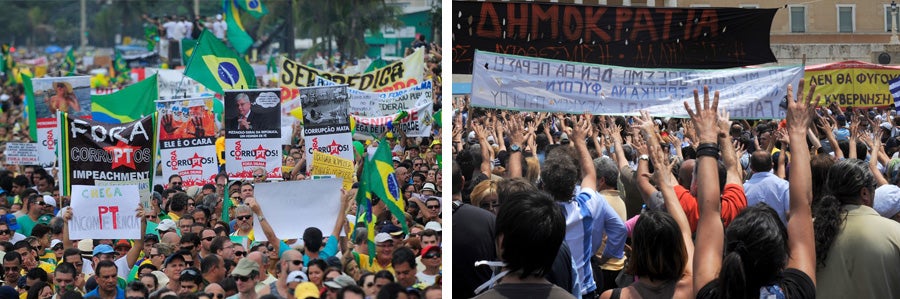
(70, 62)
(254, 7)
(127, 105)
(218, 67)
(237, 35)
(120, 68)
(383, 183)
(364, 213)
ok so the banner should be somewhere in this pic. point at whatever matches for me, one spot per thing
(18, 153)
(647, 37)
(187, 133)
(853, 83)
(403, 73)
(320, 199)
(325, 164)
(65, 94)
(173, 84)
(105, 212)
(100, 154)
(326, 121)
(252, 133)
(534, 84)
(373, 110)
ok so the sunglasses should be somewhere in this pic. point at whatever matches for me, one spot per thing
(245, 217)
(176, 183)
(188, 248)
(240, 253)
(241, 278)
(41, 203)
(258, 175)
(432, 255)
(297, 262)
(370, 284)
(433, 207)
(208, 239)
(5, 232)
(211, 295)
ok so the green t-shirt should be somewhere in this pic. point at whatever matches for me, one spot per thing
(25, 225)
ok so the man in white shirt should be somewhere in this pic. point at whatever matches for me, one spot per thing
(219, 27)
(765, 187)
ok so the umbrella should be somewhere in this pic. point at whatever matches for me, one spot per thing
(53, 49)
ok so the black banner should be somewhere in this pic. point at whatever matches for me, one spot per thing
(645, 37)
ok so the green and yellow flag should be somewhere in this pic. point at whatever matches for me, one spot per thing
(254, 7)
(127, 105)
(187, 48)
(120, 69)
(383, 183)
(70, 62)
(237, 35)
(217, 67)
(364, 215)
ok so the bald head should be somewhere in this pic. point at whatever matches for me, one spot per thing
(257, 257)
(686, 173)
(171, 238)
(291, 255)
(761, 161)
(214, 288)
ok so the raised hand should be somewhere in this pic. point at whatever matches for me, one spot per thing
(705, 116)
(582, 128)
(800, 112)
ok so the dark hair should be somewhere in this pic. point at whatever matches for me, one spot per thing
(105, 264)
(318, 263)
(403, 255)
(218, 243)
(137, 286)
(384, 274)
(12, 256)
(37, 273)
(178, 202)
(760, 161)
(70, 252)
(390, 291)
(819, 166)
(506, 187)
(845, 179)
(67, 268)
(351, 289)
(559, 175)
(190, 238)
(312, 239)
(35, 291)
(756, 251)
(658, 247)
(155, 280)
(209, 262)
(533, 221)
(362, 277)
(228, 284)
(40, 230)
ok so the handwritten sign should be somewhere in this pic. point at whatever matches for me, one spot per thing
(105, 212)
(535, 84)
(406, 72)
(325, 164)
(18, 153)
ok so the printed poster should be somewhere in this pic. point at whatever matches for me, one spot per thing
(252, 132)
(326, 121)
(187, 133)
(56, 94)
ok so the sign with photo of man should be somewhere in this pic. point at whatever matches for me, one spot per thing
(253, 133)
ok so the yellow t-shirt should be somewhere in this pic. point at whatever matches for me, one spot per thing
(363, 261)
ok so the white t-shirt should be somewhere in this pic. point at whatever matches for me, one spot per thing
(187, 27)
(219, 28)
(172, 29)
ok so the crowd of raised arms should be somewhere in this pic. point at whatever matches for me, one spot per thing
(548, 205)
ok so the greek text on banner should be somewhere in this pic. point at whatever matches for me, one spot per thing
(854, 84)
(535, 84)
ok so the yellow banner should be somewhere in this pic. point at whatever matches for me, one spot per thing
(404, 73)
(327, 164)
(853, 83)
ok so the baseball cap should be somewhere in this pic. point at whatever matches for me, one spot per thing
(383, 237)
(306, 290)
(429, 186)
(887, 200)
(102, 249)
(10, 221)
(173, 256)
(396, 159)
(54, 242)
(123, 243)
(392, 230)
(430, 248)
(166, 225)
(436, 142)
(886, 125)
(245, 267)
(45, 219)
(297, 276)
(151, 237)
(50, 200)
(432, 225)
(339, 282)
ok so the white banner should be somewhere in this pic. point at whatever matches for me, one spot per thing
(534, 84)
(373, 110)
(320, 199)
(105, 212)
(173, 84)
(18, 153)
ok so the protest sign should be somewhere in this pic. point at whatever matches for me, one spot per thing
(49, 95)
(373, 110)
(649, 37)
(173, 84)
(853, 83)
(187, 132)
(18, 153)
(535, 84)
(325, 164)
(403, 73)
(320, 199)
(252, 133)
(100, 154)
(105, 212)
(326, 121)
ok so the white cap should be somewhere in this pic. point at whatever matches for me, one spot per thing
(4, 97)
(49, 200)
(54, 242)
(297, 276)
(432, 225)
(219, 17)
(166, 225)
(382, 237)
(429, 186)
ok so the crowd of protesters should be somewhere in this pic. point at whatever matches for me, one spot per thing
(548, 205)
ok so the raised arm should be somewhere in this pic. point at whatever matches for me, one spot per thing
(874, 151)
(854, 135)
(667, 182)
(579, 133)
(800, 226)
(264, 223)
(486, 160)
(729, 155)
(828, 130)
(517, 142)
(710, 241)
(614, 132)
(135, 251)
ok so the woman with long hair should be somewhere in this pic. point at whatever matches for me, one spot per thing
(64, 100)
(762, 257)
(857, 250)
